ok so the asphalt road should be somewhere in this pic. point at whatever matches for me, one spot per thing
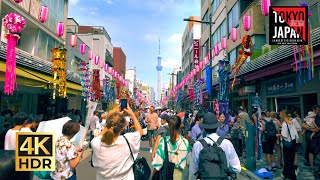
(86, 172)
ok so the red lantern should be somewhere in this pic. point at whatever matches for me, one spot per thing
(110, 70)
(73, 40)
(43, 14)
(247, 22)
(265, 4)
(223, 43)
(101, 64)
(90, 54)
(18, 1)
(96, 60)
(83, 48)
(234, 34)
(60, 29)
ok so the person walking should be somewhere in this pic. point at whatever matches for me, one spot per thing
(162, 132)
(67, 155)
(289, 136)
(210, 125)
(223, 130)
(94, 120)
(152, 120)
(111, 152)
(277, 146)
(177, 146)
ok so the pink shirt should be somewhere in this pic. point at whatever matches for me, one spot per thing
(152, 120)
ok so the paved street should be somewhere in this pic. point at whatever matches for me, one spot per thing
(85, 171)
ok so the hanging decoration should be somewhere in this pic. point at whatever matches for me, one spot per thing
(43, 14)
(73, 40)
(60, 29)
(216, 50)
(85, 80)
(106, 83)
(96, 60)
(247, 21)
(265, 4)
(90, 54)
(224, 71)
(234, 34)
(83, 48)
(96, 85)
(14, 23)
(243, 55)
(208, 79)
(303, 54)
(59, 71)
(112, 91)
(18, 1)
(223, 43)
(191, 93)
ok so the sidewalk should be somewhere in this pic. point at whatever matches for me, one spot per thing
(304, 171)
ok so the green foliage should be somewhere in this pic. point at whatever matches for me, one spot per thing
(255, 54)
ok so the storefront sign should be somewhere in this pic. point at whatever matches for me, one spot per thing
(283, 86)
(196, 51)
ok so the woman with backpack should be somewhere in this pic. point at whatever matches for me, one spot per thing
(174, 147)
(289, 136)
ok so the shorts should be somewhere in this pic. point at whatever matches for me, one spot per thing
(151, 133)
(314, 145)
(267, 147)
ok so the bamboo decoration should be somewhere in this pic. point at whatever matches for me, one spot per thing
(59, 72)
(96, 85)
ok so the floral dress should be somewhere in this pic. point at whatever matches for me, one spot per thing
(65, 151)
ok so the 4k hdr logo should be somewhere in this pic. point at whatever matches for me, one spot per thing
(35, 151)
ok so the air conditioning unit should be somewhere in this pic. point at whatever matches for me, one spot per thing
(266, 48)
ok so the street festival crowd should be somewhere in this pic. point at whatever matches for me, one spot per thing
(183, 145)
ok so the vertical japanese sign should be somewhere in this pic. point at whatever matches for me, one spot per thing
(196, 51)
(288, 25)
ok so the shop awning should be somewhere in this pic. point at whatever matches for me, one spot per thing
(31, 78)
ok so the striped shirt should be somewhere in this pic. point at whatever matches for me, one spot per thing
(177, 153)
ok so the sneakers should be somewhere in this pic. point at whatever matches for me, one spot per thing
(282, 176)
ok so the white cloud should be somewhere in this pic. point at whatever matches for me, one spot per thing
(74, 2)
(171, 63)
(109, 1)
(177, 37)
(151, 37)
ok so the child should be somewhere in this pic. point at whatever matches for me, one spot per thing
(310, 121)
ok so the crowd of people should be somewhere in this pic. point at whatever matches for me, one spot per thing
(189, 145)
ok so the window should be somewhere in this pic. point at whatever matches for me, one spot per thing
(314, 19)
(205, 19)
(56, 12)
(205, 50)
(232, 57)
(214, 6)
(233, 17)
(219, 33)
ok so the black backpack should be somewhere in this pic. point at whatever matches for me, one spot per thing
(212, 161)
(270, 130)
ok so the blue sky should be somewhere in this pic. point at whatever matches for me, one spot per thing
(136, 25)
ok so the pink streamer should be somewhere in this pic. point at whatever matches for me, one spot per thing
(10, 64)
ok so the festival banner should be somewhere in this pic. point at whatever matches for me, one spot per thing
(196, 51)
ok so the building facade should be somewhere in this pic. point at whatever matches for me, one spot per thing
(270, 72)
(34, 76)
(120, 60)
(191, 35)
(132, 77)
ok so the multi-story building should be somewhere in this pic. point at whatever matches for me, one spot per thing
(271, 67)
(132, 77)
(34, 76)
(120, 60)
(191, 35)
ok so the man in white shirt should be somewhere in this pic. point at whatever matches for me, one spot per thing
(94, 120)
(10, 140)
(210, 125)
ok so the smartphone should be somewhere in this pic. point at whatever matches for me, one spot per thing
(123, 104)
